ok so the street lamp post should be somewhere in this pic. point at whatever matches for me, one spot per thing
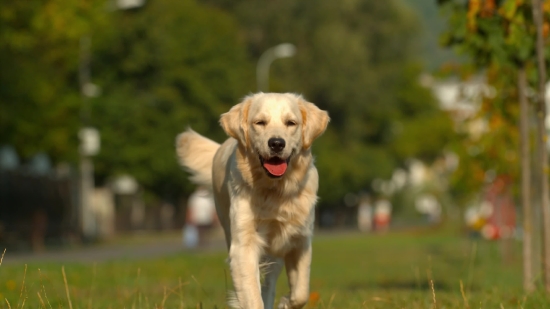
(283, 50)
(89, 136)
(89, 143)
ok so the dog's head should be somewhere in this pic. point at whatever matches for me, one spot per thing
(275, 127)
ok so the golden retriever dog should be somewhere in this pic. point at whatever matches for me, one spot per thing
(265, 189)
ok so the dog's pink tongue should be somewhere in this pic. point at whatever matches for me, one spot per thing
(275, 166)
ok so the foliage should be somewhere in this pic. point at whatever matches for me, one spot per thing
(432, 22)
(177, 65)
(493, 150)
(39, 96)
(490, 31)
(498, 36)
(167, 65)
(160, 68)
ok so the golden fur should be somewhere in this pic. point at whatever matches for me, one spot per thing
(265, 219)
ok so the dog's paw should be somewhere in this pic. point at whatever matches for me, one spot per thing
(284, 303)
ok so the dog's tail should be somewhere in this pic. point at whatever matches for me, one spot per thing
(196, 154)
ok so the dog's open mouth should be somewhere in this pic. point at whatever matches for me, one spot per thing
(275, 166)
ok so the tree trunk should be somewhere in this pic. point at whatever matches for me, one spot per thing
(541, 141)
(528, 278)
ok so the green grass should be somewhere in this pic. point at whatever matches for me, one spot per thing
(348, 271)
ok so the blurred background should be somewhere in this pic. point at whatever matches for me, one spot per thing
(94, 92)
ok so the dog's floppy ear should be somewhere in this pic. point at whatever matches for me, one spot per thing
(234, 121)
(314, 122)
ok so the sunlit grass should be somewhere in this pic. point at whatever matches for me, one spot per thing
(349, 271)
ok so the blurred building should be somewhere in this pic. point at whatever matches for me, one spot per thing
(37, 202)
(40, 206)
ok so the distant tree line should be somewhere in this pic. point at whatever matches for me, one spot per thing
(172, 64)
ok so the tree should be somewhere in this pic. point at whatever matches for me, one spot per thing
(498, 36)
(39, 97)
(528, 248)
(160, 67)
(167, 65)
(541, 137)
(164, 67)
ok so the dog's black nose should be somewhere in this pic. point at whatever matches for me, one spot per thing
(276, 144)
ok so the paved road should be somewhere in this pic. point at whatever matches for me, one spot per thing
(145, 247)
(138, 246)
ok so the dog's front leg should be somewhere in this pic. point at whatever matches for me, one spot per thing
(244, 263)
(297, 263)
(244, 254)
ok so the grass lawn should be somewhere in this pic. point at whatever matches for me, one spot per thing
(349, 271)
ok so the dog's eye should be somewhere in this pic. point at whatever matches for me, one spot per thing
(259, 123)
(290, 123)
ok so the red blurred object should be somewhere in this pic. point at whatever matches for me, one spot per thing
(502, 221)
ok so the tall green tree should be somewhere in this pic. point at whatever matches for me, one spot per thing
(162, 68)
(39, 92)
(499, 36)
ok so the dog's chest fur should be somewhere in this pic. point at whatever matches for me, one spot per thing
(284, 223)
(280, 212)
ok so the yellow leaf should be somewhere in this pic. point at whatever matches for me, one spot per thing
(508, 8)
(489, 7)
(473, 10)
